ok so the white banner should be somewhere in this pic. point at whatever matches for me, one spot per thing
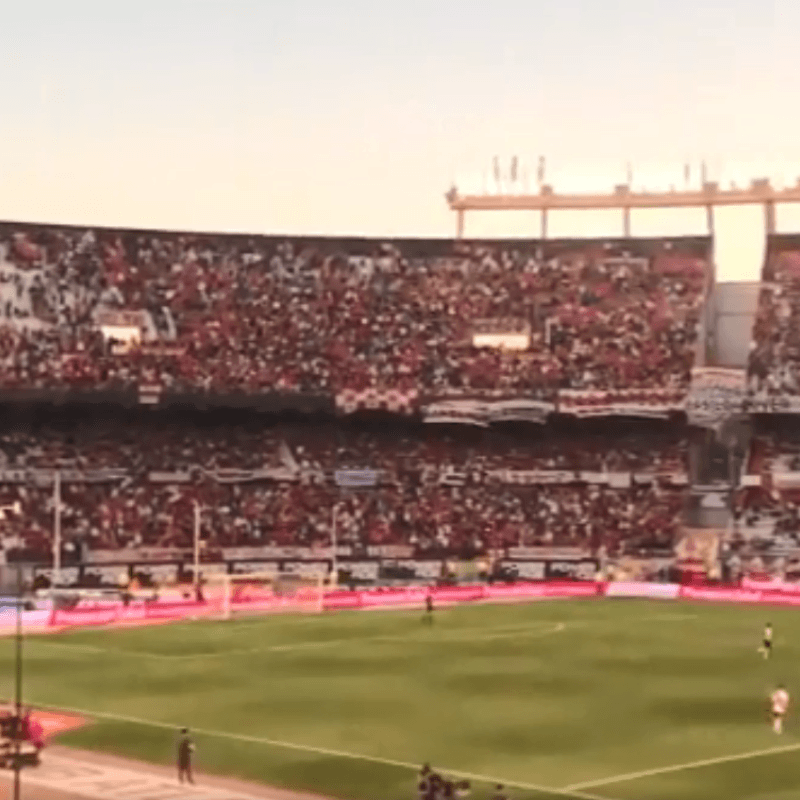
(645, 403)
(750, 481)
(121, 318)
(356, 478)
(457, 412)
(137, 555)
(390, 551)
(531, 477)
(46, 477)
(270, 552)
(786, 480)
(281, 474)
(547, 552)
(715, 395)
(784, 404)
(451, 477)
(169, 477)
(663, 591)
(519, 410)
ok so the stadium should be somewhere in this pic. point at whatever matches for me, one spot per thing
(562, 473)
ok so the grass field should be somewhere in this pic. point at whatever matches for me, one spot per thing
(558, 699)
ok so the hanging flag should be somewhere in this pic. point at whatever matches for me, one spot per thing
(540, 175)
(514, 168)
(466, 411)
(519, 410)
(496, 170)
(703, 173)
(287, 458)
(687, 171)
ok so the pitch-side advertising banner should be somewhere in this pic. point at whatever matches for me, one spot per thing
(95, 612)
(656, 591)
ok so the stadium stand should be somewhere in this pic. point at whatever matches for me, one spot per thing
(775, 352)
(766, 536)
(106, 309)
(766, 521)
(479, 336)
(132, 484)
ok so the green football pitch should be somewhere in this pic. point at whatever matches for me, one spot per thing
(584, 699)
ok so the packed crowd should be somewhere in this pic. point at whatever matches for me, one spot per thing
(439, 493)
(774, 366)
(775, 452)
(767, 514)
(257, 314)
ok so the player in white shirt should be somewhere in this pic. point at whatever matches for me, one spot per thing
(766, 644)
(779, 701)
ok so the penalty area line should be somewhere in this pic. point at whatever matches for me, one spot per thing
(706, 762)
(475, 634)
(569, 793)
(441, 636)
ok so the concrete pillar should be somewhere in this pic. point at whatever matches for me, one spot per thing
(769, 217)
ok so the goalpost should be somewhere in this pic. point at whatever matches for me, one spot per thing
(266, 592)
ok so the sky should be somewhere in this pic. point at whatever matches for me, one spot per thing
(355, 116)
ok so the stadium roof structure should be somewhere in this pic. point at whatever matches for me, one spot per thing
(760, 192)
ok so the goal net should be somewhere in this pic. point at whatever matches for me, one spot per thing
(263, 593)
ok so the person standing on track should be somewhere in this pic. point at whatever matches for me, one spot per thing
(186, 750)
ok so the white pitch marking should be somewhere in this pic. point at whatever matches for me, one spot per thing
(88, 648)
(672, 617)
(473, 634)
(42, 642)
(706, 762)
(514, 630)
(498, 632)
(575, 794)
(531, 629)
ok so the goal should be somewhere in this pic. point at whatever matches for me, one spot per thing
(233, 595)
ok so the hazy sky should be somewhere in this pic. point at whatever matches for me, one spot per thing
(354, 116)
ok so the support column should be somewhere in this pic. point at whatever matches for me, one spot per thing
(769, 217)
(460, 223)
(626, 222)
(544, 224)
(710, 219)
